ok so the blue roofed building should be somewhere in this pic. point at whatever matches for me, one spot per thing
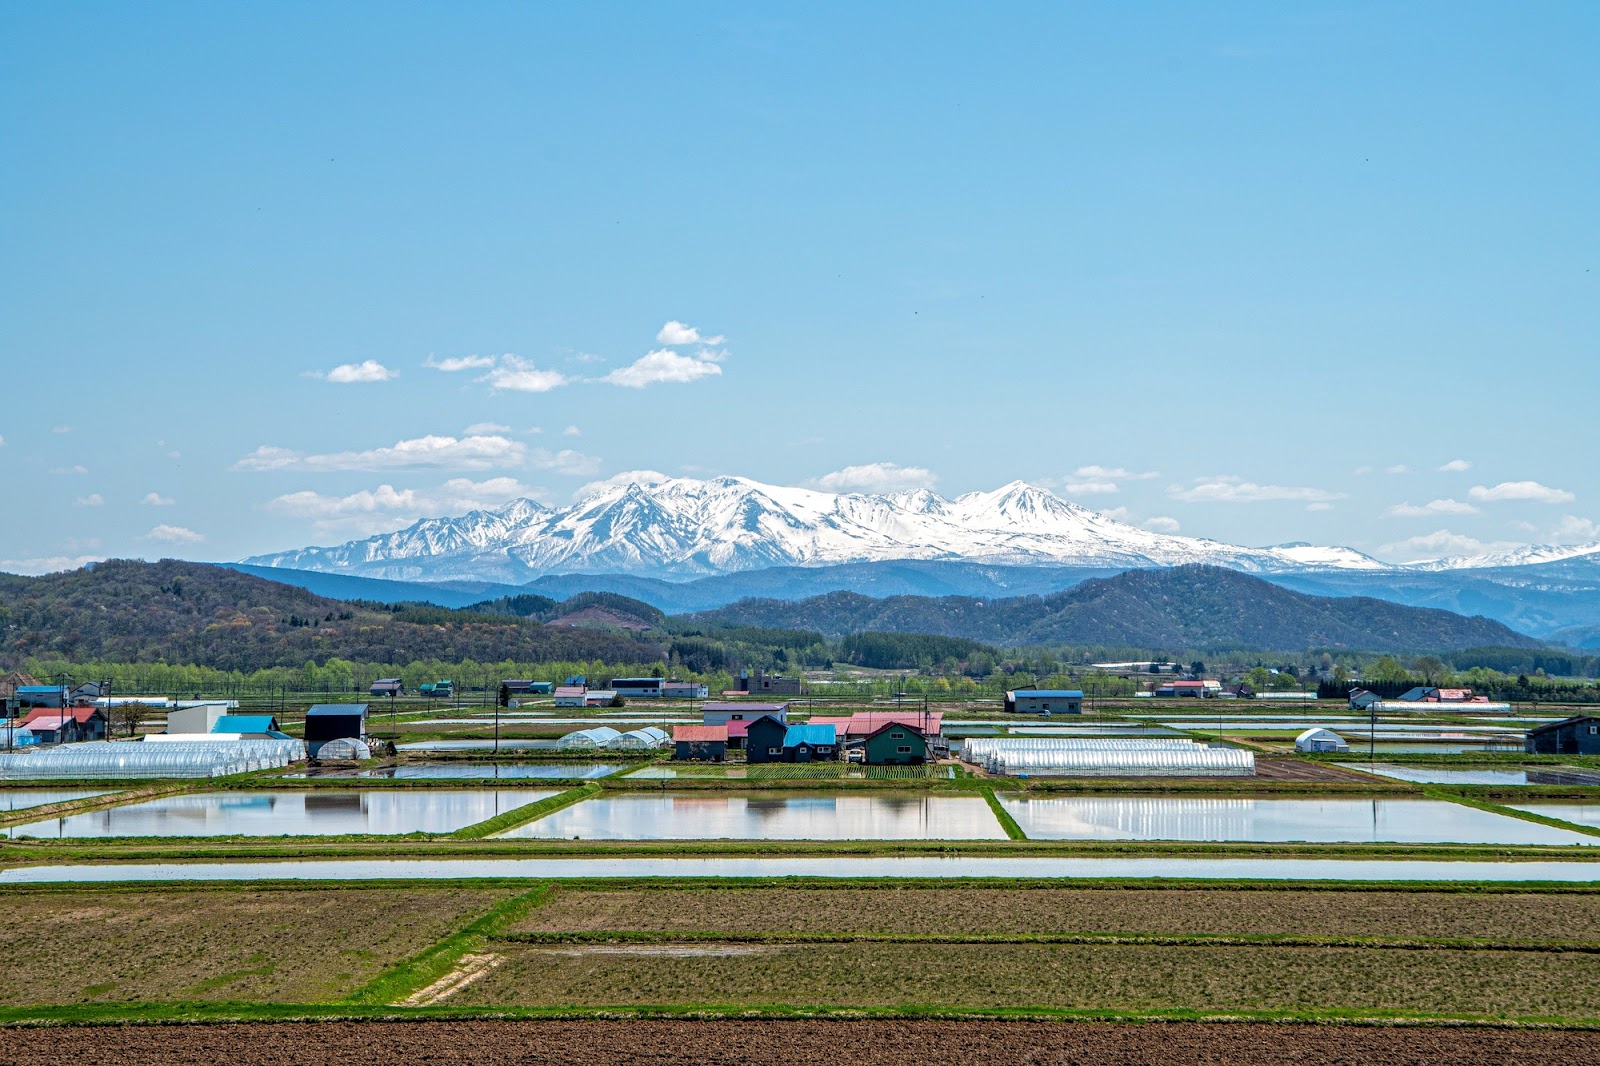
(810, 743)
(1044, 701)
(249, 727)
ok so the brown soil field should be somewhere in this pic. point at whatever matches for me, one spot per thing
(841, 1043)
(296, 946)
(976, 911)
(1478, 983)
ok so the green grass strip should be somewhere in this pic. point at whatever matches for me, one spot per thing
(432, 963)
(528, 813)
(1509, 812)
(1003, 816)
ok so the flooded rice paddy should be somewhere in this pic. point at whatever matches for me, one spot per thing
(774, 816)
(479, 771)
(1443, 775)
(1581, 813)
(1397, 821)
(20, 799)
(283, 813)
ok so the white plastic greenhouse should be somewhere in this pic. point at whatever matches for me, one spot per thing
(112, 759)
(646, 739)
(1074, 757)
(589, 739)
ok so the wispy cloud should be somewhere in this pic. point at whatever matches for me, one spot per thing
(1439, 544)
(1398, 468)
(94, 499)
(48, 564)
(1573, 528)
(1529, 491)
(155, 499)
(1091, 488)
(1456, 466)
(480, 428)
(677, 333)
(620, 480)
(60, 429)
(515, 374)
(1161, 524)
(72, 471)
(661, 367)
(1112, 473)
(876, 477)
(457, 363)
(1226, 488)
(387, 507)
(363, 373)
(566, 461)
(174, 535)
(1432, 507)
(469, 453)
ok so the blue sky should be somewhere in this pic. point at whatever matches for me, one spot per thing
(1257, 272)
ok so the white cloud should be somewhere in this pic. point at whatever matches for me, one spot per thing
(386, 507)
(362, 373)
(479, 428)
(1575, 529)
(876, 477)
(1398, 468)
(566, 461)
(75, 469)
(1161, 524)
(518, 375)
(94, 499)
(1090, 488)
(1455, 466)
(60, 429)
(457, 363)
(677, 333)
(662, 366)
(174, 535)
(1112, 473)
(572, 431)
(48, 564)
(1228, 489)
(1319, 506)
(1363, 471)
(468, 453)
(1439, 544)
(620, 480)
(2, 442)
(155, 499)
(1432, 507)
(1531, 491)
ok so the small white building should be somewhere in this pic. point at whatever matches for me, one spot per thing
(200, 719)
(1321, 740)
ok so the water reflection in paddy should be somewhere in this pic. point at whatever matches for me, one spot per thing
(478, 771)
(282, 813)
(1579, 813)
(1439, 775)
(770, 816)
(1404, 821)
(20, 799)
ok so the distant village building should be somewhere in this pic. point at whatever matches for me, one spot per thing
(13, 681)
(1432, 694)
(1044, 701)
(66, 725)
(896, 744)
(201, 719)
(723, 713)
(248, 727)
(41, 696)
(810, 743)
(1579, 735)
(388, 686)
(1362, 700)
(1191, 689)
(1320, 740)
(764, 739)
(571, 696)
(761, 684)
(334, 721)
(707, 742)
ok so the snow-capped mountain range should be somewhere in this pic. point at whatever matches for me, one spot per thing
(684, 528)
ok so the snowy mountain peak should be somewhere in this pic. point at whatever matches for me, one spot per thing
(685, 527)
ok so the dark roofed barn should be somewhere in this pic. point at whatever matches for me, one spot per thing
(1575, 736)
(334, 721)
(764, 740)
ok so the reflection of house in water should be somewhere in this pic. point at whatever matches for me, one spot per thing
(336, 803)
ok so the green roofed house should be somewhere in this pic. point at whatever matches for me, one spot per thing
(896, 744)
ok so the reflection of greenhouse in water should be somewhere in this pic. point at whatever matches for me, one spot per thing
(1083, 757)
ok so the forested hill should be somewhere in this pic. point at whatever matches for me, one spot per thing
(177, 612)
(1178, 608)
